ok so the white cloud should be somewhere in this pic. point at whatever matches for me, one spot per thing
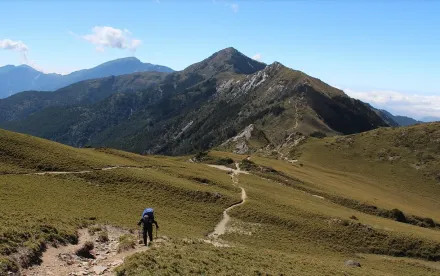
(414, 105)
(257, 57)
(108, 37)
(234, 7)
(17, 46)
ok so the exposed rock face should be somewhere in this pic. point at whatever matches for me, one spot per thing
(249, 140)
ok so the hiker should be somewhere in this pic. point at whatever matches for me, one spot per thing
(147, 220)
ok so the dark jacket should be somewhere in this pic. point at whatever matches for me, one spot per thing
(146, 221)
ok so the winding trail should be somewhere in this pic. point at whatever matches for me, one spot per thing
(220, 229)
(62, 260)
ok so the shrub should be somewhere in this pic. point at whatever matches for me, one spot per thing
(248, 165)
(224, 161)
(398, 215)
(7, 265)
(200, 155)
(94, 229)
(103, 236)
(318, 134)
(126, 242)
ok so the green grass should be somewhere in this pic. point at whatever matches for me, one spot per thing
(282, 229)
(126, 242)
(42, 210)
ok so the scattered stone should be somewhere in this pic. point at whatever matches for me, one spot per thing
(99, 269)
(352, 263)
(117, 263)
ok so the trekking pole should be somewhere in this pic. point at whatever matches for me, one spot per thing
(156, 232)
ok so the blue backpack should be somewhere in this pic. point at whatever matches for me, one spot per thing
(149, 212)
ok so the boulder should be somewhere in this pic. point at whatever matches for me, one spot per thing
(352, 263)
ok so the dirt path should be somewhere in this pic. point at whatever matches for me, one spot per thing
(220, 229)
(81, 172)
(63, 260)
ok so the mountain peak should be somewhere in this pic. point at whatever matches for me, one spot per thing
(121, 60)
(226, 60)
(127, 59)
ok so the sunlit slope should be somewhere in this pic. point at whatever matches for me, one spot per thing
(298, 233)
(37, 210)
(20, 153)
(391, 167)
(282, 228)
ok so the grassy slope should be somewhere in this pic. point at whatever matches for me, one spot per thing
(279, 230)
(42, 209)
(392, 167)
(283, 231)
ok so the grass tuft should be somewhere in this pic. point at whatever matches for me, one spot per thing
(126, 242)
(103, 236)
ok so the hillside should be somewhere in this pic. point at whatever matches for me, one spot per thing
(404, 158)
(406, 121)
(14, 79)
(290, 222)
(396, 120)
(194, 109)
(85, 93)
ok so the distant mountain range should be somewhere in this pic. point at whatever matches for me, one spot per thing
(14, 79)
(195, 109)
(431, 119)
(396, 120)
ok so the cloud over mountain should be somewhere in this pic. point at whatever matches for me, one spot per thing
(17, 46)
(109, 37)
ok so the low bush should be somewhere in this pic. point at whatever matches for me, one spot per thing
(224, 161)
(7, 265)
(103, 236)
(94, 229)
(126, 242)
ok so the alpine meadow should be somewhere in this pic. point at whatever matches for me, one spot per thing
(232, 162)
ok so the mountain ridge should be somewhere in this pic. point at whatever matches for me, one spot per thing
(14, 79)
(194, 109)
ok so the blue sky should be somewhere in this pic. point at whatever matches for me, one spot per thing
(384, 53)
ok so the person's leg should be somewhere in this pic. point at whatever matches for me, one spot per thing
(150, 232)
(145, 235)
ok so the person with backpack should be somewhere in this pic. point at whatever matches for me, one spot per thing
(147, 220)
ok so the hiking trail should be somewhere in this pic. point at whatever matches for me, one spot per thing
(85, 171)
(62, 260)
(220, 229)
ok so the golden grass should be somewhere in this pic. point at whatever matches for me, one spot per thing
(280, 230)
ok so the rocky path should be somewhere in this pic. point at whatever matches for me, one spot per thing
(63, 260)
